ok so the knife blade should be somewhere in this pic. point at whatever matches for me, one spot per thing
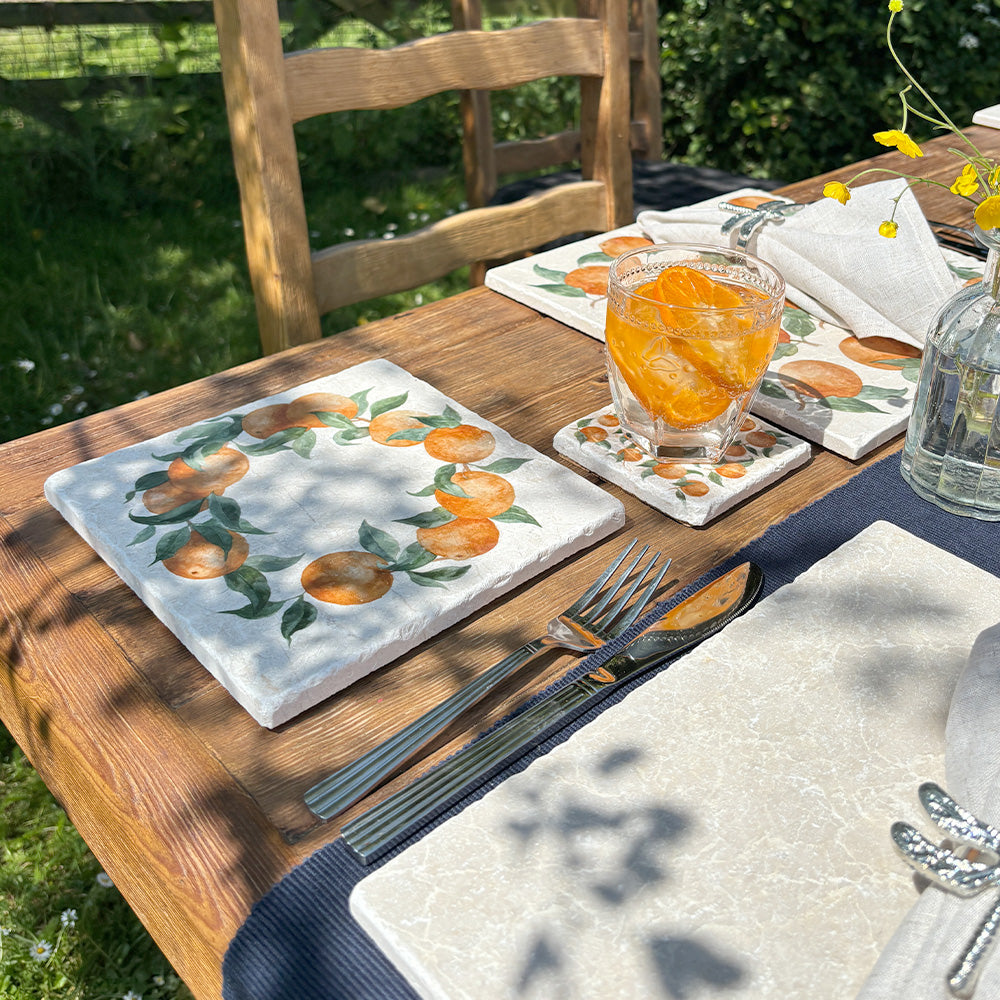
(681, 628)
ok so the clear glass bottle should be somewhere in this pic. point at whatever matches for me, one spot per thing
(952, 451)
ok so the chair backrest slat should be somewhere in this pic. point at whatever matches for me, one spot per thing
(321, 81)
(351, 272)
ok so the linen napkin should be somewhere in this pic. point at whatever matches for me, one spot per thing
(834, 262)
(920, 956)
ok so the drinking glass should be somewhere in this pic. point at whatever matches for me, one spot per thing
(684, 369)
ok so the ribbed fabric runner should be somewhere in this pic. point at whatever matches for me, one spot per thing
(300, 942)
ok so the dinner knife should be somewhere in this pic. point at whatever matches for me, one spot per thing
(681, 628)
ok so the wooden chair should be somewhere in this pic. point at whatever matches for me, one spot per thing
(268, 91)
(485, 160)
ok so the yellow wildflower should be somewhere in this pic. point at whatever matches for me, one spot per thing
(888, 229)
(994, 177)
(834, 189)
(895, 6)
(894, 137)
(987, 214)
(966, 182)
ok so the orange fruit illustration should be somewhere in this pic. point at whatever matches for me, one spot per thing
(266, 420)
(608, 419)
(748, 424)
(221, 469)
(198, 559)
(347, 578)
(594, 433)
(731, 470)
(630, 453)
(488, 495)
(593, 279)
(387, 424)
(695, 489)
(618, 245)
(463, 538)
(302, 411)
(462, 444)
(735, 451)
(875, 351)
(761, 439)
(821, 378)
(670, 471)
(167, 496)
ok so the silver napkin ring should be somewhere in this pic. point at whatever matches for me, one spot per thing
(751, 219)
(972, 867)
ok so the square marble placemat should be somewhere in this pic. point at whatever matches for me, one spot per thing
(349, 541)
(722, 832)
(694, 494)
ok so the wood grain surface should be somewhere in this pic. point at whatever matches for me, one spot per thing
(195, 810)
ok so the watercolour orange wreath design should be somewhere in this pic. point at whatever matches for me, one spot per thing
(201, 533)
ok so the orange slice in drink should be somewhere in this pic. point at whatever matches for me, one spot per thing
(727, 354)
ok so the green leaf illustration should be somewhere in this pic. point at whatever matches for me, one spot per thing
(380, 543)
(215, 534)
(504, 465)
(596, 257)
(798, 323)
(450, 418)
(515, 515)
(225, 510)
(278, 441)
(438, 577)
(182, 513)
(570, 291)
(143, 536)
(254, 611)
(410, 434)
(390, 403)
(298, 615)
(148, 481)
(878, 392)
(442, 481)
(347, 437)
(361, 400)
(548, 272)
(253, 585)
(171, 543)
(303, 446)
(271, 564)
(332, 418)
(428, 518)
(413, 557)
(849, 404)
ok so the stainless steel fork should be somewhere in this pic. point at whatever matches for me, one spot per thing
(584, 626)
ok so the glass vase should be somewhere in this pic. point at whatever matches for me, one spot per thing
(952, 451)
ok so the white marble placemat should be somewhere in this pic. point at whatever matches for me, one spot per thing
(988, 116)
(694, 494)
(362, 513)
(824, 384)
(722, 832)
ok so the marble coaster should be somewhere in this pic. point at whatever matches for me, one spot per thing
(308, 538)
(723, 832)
(694, 494)
(824, 384)
(988, 116)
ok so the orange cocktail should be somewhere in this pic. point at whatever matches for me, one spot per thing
(690, 331)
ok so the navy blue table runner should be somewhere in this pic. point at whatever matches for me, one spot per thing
(300, 941)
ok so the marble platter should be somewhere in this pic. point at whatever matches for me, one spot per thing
(722, 832)
(824, 384)
(350, 536)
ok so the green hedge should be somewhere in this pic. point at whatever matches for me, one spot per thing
(787, 89)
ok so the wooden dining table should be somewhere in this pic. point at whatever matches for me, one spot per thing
(195, 810)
